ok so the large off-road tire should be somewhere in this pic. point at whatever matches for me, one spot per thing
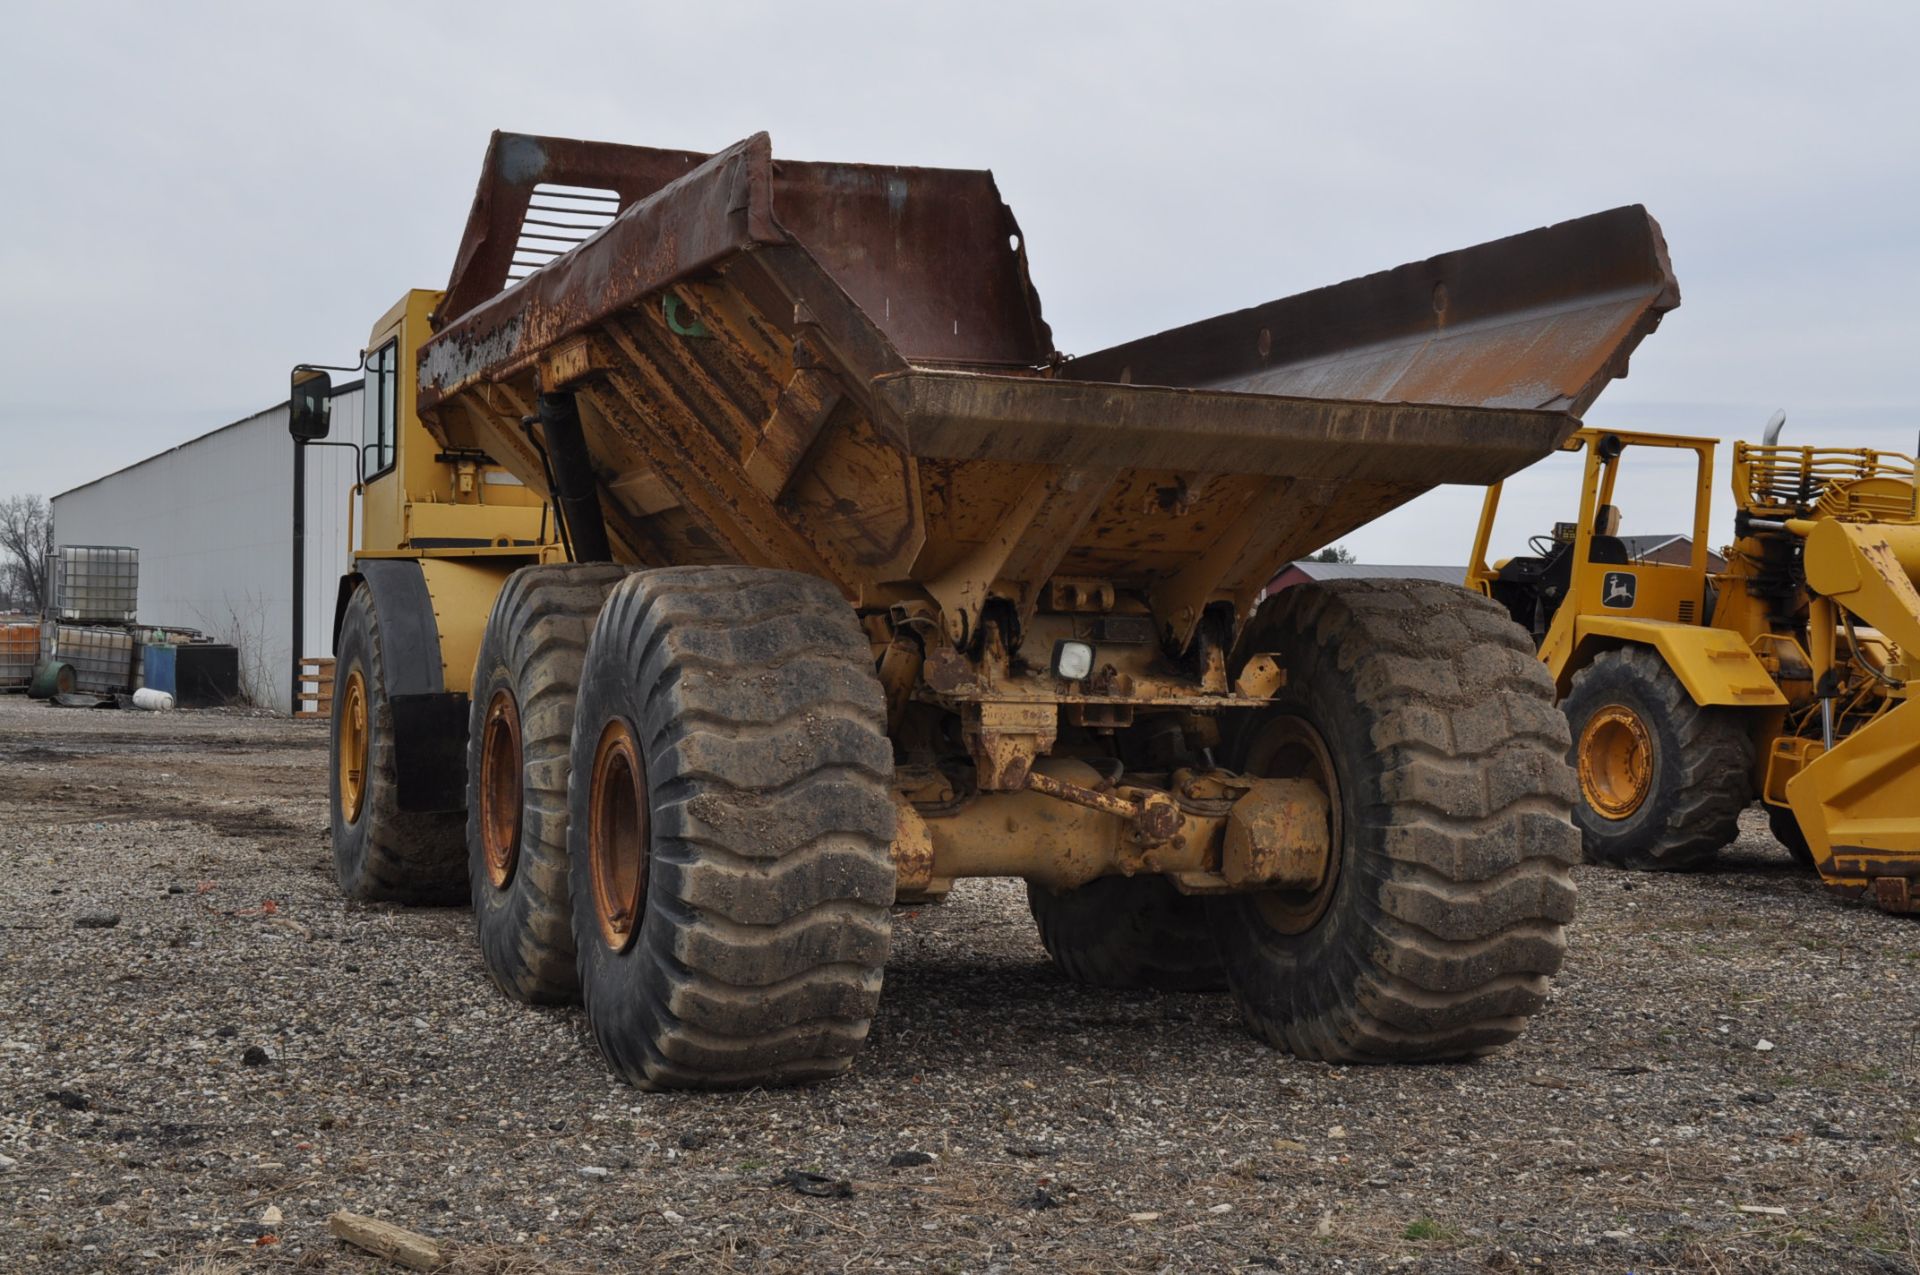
(1786, 830)
(519, 744)
(1424, 712)
(730, 818)
(380, 852)
(1662, 781)
(1128, 932)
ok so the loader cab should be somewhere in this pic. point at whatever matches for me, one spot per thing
(1585, 579)
(1532, 586)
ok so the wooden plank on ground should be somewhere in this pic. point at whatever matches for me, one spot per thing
(384, 1239)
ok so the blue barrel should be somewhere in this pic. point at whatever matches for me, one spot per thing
(158, 667)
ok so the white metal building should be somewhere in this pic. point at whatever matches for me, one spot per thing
(213, 521)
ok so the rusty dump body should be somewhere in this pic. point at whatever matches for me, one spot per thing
(843, 370)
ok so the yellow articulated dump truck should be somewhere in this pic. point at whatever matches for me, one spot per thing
(740, 557)
(1787, 676)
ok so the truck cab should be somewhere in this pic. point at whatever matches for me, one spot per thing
(437, 528)
(419, 496)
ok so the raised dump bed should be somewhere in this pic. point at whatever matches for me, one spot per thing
(843, 370)
(896, 593)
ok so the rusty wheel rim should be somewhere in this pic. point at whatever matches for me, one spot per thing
(1292, 748)
(1615, 762)
(353, 747)
(500, 788)
(618, 834)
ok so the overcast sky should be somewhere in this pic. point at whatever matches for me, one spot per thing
(199, 196)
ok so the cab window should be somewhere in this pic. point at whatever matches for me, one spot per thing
(376, 435)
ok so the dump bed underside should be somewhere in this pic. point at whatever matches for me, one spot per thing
(843, 370)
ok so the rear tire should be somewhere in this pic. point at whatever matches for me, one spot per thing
(1128, 932)
(1696, 765)
(519, 744)
(381, 853)
(730, 824)
(1434, 933)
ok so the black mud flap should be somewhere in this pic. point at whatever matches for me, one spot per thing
(429, 722)
(430, 751)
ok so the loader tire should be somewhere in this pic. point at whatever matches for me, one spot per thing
(729, 831)
(1662, 780)
(1786, 830)
(1128, 932)
(381, 853)
(519, 743)
(1442, 913)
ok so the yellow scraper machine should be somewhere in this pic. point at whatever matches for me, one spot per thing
(741, 557)
(1787, 676)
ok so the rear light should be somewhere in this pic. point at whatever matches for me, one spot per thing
(1072, 660)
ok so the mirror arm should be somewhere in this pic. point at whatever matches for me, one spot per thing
(361, 366)
(327, 442)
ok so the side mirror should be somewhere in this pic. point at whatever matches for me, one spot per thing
(310, 405)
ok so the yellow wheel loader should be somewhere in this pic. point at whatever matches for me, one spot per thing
(1785, 676)
(741, 557)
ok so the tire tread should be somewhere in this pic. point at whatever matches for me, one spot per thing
(1460, 916)
(536, 639)
(767, 914)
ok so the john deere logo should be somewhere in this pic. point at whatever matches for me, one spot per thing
(1617, 590)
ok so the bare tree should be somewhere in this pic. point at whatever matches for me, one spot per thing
(26, 538)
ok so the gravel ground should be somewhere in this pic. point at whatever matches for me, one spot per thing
(1721, 1081)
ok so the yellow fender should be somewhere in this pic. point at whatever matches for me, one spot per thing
(1715, 665)
(463, 590)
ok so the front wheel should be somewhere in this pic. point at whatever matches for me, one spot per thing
(380, 852)
(1662, 780)
(1423, 712)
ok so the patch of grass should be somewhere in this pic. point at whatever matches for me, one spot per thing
(1425, 1228)
(1864, 1232)
(1843, 1076)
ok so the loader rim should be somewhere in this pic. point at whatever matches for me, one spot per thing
(1291, 747)
(501, 797)
(1616, 762)
(354, 737)
(618, 833)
